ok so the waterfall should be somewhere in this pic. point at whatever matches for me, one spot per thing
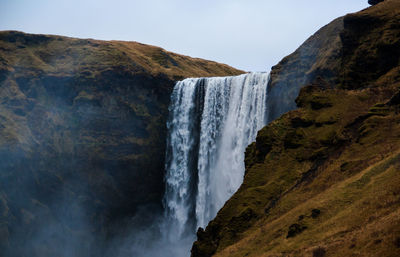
(212, 121)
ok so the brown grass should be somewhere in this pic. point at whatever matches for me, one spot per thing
(62, 56)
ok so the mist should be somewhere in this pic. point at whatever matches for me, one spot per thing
(149, 234)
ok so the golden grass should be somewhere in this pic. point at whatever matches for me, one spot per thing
(341, 162)
(62, 56)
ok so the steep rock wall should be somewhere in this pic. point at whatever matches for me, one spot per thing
(82, 135)
(319, 56)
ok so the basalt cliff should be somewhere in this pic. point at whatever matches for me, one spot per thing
(82, 137)
(324, 178)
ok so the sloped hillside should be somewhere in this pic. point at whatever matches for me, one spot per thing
(82, 136)
(324, 180)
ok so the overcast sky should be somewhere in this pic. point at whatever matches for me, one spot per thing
(248, 34)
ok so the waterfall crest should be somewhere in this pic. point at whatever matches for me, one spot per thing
(212, 120)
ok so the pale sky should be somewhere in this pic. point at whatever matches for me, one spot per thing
(251, 35)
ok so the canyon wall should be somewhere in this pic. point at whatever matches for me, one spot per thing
(82, 137)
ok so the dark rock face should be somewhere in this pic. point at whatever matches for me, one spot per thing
(336, 54)
(83, 146)
(317, 57)
(374, 2)
(82, 138)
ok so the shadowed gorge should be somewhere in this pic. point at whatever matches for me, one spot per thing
(323, 180)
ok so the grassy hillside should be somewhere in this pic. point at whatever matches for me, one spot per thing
(62, 56)
(82, 137)
(324, 180)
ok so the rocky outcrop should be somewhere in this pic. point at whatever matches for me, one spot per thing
(374, 2)
(316, 177)
(324, 53)
(318, 57)
(82, 137)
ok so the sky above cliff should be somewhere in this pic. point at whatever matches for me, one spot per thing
(251, 35)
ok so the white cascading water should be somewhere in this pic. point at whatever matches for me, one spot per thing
(212, 121)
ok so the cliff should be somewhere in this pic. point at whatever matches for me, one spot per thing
(82, 136)
(323, 180)
(319, 56)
